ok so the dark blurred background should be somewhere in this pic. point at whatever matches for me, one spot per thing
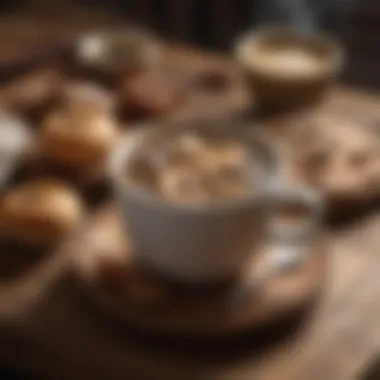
(212, 24)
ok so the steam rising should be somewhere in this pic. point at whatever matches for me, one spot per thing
(303, 15)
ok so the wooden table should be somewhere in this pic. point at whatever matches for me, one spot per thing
(53, 331)
(47, 329)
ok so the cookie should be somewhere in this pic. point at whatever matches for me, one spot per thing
(340, 156)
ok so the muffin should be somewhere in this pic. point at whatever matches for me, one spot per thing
(40, 212)
(78, 137)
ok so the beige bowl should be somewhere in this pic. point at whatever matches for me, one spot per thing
(286, 69)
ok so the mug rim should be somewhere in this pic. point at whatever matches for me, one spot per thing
(132, 140)
(334, 60)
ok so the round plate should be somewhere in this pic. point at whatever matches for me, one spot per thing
(136, 296)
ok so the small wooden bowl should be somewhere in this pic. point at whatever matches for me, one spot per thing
(276, 89)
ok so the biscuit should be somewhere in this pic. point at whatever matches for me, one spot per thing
(339, 156)
(78, 137)
(40, 211)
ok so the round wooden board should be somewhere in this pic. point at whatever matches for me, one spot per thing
(139, 298)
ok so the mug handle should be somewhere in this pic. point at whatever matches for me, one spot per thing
(289, 244)
(290, 241)
(302, 196)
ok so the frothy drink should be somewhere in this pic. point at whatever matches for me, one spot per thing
(192, 169)
(289, 60)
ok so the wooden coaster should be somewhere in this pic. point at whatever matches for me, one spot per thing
(137, 297)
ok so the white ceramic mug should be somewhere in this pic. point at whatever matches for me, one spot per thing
(205, 243)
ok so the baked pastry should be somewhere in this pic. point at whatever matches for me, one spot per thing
(86, 96)
(151, 94)
(340, 157)
(40, 211)
(32, 93)
(78, 137)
